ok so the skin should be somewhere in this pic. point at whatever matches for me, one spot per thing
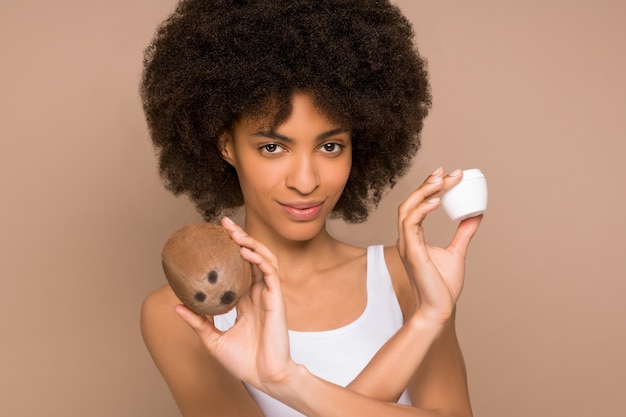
(304, 279)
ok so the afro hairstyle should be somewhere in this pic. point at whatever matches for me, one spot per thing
(213, 62)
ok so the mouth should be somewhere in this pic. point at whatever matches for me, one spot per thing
(303, 211)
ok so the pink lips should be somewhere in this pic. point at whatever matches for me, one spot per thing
(303, 211)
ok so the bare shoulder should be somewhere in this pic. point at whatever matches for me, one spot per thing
(157, 301)
(199, 384)
(158, 319)
(400, 280)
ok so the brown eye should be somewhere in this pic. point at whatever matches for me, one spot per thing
(331, 148)
(272, 149)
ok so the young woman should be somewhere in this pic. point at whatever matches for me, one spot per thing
(298, 110)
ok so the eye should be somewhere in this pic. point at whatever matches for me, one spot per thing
(271, 149)
(331, 148)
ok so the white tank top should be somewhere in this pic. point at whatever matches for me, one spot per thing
(339, 355)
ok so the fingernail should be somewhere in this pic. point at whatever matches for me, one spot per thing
(455, 173)
(240, 234)
(436, 176)
(228, 220)
(433, 200)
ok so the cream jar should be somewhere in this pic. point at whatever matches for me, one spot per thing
(468, 198)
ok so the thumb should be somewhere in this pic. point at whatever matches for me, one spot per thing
(464, 234)
(200, 324)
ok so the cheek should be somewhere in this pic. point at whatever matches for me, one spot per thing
(257, 180)
(346, 169)
(338, 177)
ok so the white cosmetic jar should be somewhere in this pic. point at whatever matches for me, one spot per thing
(468, 198)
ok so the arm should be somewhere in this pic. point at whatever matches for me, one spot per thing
(438, 388)
(424, 353)
(428, 282)
(256, 349)
(265, 366)
(441, 380)
(199, 384)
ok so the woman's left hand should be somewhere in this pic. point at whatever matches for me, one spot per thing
(256, 348)
(436, 274)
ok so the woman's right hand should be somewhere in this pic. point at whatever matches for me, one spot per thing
(256, 348)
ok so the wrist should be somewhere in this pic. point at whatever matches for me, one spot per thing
(425, 325)
(289, 383)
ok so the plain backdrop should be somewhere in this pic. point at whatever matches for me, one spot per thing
(531, 92)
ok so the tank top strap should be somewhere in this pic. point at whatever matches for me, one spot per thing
(382, 300)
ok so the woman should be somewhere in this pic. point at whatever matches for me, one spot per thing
(298, 111)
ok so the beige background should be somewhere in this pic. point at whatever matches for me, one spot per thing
(531, 92)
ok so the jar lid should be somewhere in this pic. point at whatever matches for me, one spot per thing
(469, 174)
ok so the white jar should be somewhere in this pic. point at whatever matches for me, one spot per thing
(468, 198)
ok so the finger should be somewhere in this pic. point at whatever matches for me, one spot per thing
(411, 225)
(200, 324)
(267, 268)
(244, 240)
(417, 216)
(235, 231)
(231, 226)
(450, 180)
(435, 185)
(464, 234)
(256, 253)
(264, 262)
(432, 184)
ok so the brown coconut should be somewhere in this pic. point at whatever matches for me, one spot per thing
(204, 268)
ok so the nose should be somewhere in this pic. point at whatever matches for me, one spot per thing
(303, 176)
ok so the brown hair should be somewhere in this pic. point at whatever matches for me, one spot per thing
(212, 62)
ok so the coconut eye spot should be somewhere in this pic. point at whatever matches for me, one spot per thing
(228, 297)
(212, 277)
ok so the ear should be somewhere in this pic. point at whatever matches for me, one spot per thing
(225, 147)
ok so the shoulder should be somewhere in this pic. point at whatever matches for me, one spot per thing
(197, 381)
(400, 280)
(165, 334)
(158, 316)
(155, 312)
(157, 300)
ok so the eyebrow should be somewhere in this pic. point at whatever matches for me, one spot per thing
(275, 135)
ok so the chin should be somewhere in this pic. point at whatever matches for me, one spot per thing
(302, 231)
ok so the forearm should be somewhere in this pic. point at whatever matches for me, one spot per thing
(388, 373)
(316, 397)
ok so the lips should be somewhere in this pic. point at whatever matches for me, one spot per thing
(303, 211)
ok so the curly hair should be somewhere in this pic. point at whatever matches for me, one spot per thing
(215, 61)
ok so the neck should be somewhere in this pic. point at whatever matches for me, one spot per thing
(298, 259)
